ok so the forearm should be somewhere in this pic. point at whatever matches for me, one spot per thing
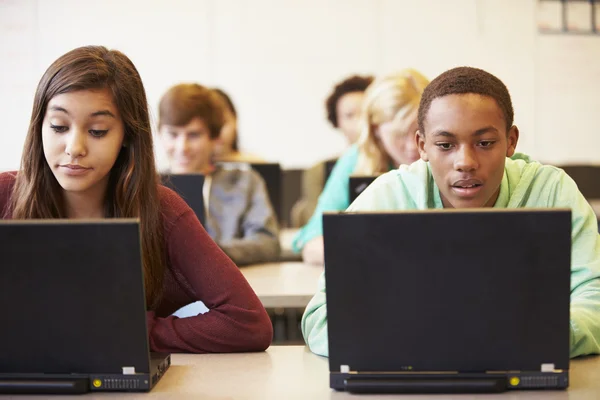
(223, 330)
(314, 251)
(314, 322)
(585, 320)
(252, 250)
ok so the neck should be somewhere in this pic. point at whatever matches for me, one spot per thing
(85, 205)
(204, 170)
(207, 170)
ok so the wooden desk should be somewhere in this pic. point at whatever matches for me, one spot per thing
(285, 284)
(292, 372)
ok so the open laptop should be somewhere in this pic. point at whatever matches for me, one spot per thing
(271, 174)
(329, 164)
(73, 308)
(448, 300)
(358, 183)
(189, 187)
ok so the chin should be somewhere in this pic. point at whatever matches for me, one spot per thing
(73, 186)
(464, 203)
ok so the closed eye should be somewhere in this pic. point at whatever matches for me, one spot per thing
(59, 128)
(98, 133)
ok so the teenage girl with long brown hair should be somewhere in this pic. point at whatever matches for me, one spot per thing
(89, 154)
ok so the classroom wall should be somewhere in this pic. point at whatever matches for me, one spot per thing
(280, 58)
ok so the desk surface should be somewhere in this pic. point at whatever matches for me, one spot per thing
(285, 284)
(292, 372)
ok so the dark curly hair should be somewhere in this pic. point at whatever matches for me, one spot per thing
(463, 80)
(355, 83)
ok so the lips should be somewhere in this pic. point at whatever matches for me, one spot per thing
(467, 187)
(74, 166)
(467, 183)
(74, 169)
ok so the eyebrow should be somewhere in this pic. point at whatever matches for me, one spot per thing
(100, 113)
(478, 132)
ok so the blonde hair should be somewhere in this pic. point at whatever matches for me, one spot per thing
(393, 96)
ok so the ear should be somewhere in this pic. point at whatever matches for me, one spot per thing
(420, 138)
(512, 137)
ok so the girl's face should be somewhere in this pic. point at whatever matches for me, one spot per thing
(398, 139)
(82, 135)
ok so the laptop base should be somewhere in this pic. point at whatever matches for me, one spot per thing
(84, 383)
(44, 385)
(446, 383)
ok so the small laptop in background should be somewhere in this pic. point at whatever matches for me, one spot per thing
(271, 174)
(328, 165)
(448, 300)
(189, 187)
(74, 309)
(358, 183)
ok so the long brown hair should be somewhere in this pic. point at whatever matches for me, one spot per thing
(132, 189)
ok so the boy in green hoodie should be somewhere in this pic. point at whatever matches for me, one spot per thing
(467, 143)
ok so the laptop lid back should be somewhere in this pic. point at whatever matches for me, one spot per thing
(189, 188)
(72, 295)
(456, 290)
(358, 184)
(271, 174)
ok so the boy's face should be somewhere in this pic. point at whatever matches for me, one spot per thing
(189, 148)
(466, 144)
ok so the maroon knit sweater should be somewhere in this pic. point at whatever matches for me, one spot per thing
(197, 269)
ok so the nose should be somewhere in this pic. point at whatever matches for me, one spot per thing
(76, 145)
(182, 145)
(466, 160)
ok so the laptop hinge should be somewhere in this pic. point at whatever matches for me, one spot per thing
(424, 385)
(44, 386)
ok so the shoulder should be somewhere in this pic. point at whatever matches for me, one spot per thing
(172, 205)
(350, 156)
(235, 174)
(7, 183)
(534, 184)
(533, 173)
(7, 179)
(346, 164)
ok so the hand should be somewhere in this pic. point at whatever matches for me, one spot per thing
(314, 251)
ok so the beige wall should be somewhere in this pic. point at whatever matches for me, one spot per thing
(279, 59)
